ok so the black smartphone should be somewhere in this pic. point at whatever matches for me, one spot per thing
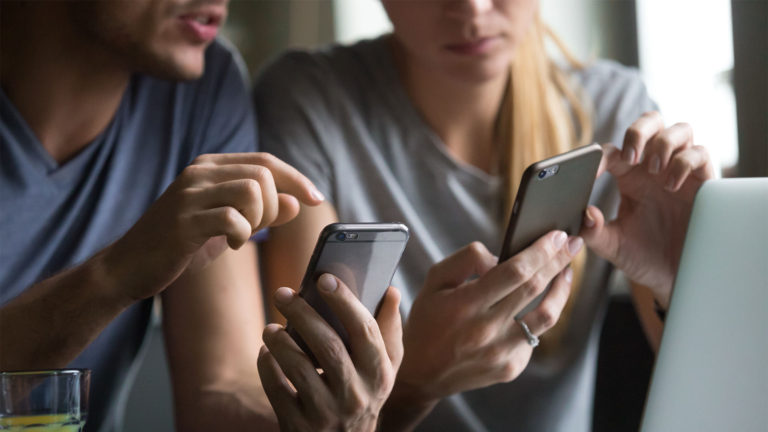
(364, 256)
(553, 195)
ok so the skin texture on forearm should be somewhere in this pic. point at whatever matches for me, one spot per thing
(212, 320)
(404, 409)
(287, 251)
(50, 323)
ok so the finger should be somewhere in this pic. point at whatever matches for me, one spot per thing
(545, 316)
(661, 148)
(612, 162)
(471, 260)
(288, 208)
(298, 368)
(509, 275)
(287, 178)
(224, 221)
(210, 175)
(279, 392)
(391, 326)
(365, 340)
(638, 135)
(518, 299)
(602, 238)
(691, 161)
(246, 195)
(320, 337)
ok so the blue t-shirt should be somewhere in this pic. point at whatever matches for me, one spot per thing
(54, 216)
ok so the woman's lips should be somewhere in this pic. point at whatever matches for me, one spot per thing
(201, 27)
(476, 47)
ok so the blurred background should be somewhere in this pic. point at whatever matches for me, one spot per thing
(705, 63)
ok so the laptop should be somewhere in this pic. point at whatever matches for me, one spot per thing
(711, 372)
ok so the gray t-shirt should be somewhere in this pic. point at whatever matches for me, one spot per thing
(54, 216)
(342, 117)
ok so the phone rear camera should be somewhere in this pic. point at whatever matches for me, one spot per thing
(341, 236)
(542, 173)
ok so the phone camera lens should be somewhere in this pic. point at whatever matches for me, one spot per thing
(542, 173)
(341, 236)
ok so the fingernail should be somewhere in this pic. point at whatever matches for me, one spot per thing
(317, 195)
(629, 155)
(671, 183)
(559, 240)
(588, 221)
(327, 283)
(568, 273)
(283, 295)
(655, 166)
(574, 245)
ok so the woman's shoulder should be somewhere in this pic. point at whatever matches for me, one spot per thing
(333, 69)
(617, 96)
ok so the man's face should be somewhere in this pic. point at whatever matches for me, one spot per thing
(164, 38)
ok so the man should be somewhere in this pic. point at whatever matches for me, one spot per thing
(103, 105)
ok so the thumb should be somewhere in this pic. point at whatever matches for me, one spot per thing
(602, 238)
(391, 326)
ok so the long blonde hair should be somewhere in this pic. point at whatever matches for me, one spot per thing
(539, 118)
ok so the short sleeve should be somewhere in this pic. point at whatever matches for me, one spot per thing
(618, 97)
(296, 116)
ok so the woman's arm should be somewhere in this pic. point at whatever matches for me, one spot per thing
(658, 172)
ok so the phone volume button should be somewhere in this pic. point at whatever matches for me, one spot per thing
(514, 207)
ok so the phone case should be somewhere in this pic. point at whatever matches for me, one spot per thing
(364, 256)
(555, 201)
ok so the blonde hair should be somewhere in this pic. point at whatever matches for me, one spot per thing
(539, 118)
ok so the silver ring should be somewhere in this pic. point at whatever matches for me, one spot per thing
(533, 340)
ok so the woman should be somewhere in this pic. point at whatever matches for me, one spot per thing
(433, 126)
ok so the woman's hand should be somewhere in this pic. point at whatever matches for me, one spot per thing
(353, 386)
(219, 201)
(658, 172)
(461, 334)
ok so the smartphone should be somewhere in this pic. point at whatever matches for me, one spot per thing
(364, 256)
(553, 195)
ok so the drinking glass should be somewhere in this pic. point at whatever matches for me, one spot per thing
(44, 401)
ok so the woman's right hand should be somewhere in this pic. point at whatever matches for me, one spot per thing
(461, 334)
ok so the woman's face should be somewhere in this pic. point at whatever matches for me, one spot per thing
(469, 40)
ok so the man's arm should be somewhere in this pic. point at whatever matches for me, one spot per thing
(287, 251)
(50, 323)
(212, 321)
(219, 200)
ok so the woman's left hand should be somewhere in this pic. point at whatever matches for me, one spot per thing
(658, 171)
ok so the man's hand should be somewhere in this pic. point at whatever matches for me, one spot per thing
(658, 172)
(353, 386)
(220, 200)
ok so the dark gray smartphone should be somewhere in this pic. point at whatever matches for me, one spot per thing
(553, 195)
(364, 256)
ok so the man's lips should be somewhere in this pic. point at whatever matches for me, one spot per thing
(478, 46)
(202, 25)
